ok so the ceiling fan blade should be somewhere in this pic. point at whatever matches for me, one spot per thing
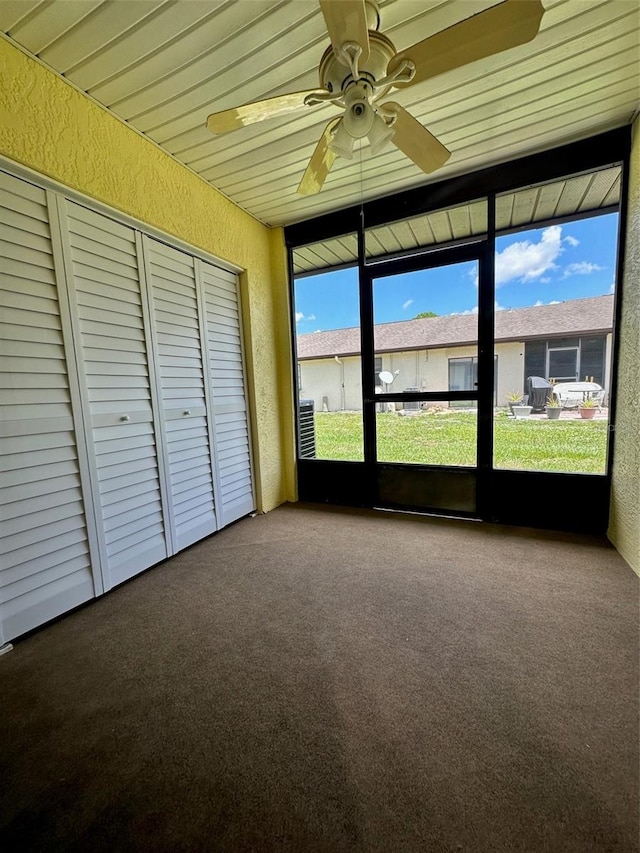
(228, 120)
(346, 20)
(415, 141)
(506, 25)
(320, 163)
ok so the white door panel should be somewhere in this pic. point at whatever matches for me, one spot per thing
(171, 284)
(117, 392)
(228, 393)
(45, 555)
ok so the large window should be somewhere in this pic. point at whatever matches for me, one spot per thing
(558, 282)
(327, 315)
(484, 344)
(419, 317)
(553, 328)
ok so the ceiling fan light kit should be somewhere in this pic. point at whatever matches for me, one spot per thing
(342, 143)
(361, 67)
(380, 134)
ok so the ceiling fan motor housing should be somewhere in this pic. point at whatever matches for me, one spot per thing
(336, 77)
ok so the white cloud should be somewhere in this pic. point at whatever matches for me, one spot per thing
(581, 268)
(300, 316)
(540, 303)
(572, 240)
(526, 261)
(499, 307)
(612, 287)
(407, 303)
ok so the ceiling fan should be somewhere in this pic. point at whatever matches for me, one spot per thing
(361, 67)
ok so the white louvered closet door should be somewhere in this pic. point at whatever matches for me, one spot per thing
(177, 341)
(45, 561)
(102, 261)
(229, 400)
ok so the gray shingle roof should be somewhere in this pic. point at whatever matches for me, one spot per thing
(574, 317)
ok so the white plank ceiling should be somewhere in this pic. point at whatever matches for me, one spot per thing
(576, 196)
(164, 65)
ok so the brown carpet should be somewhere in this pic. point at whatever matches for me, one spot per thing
(326, 680)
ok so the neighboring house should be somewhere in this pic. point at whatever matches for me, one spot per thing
(565, 342)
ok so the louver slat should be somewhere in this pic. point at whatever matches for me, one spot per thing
(45, 567)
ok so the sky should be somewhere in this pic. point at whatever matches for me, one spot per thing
(537, 267)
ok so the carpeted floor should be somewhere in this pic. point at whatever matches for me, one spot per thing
(326, 680)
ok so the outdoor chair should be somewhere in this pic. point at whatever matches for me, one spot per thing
(571, 394)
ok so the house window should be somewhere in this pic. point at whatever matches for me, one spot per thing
(463, 376)
(562, 363)
(378, 371)
(567, 359)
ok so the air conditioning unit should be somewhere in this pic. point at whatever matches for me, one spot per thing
(413, 405)
(306, 430)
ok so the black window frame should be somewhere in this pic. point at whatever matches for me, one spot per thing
(493, 487)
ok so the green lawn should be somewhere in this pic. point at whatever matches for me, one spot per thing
(450, 438)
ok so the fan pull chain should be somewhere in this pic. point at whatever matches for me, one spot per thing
(361, 189)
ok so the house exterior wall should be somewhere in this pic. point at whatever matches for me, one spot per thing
(510, 370)
(624, 521)
(57, 131)
(321, 381)
(427, 370)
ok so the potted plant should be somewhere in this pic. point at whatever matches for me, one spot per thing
(587, 408)
(521, 411)
(553, 408)
(514, 399)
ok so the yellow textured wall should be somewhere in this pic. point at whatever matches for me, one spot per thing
(279, 267)
(624, 523)
(54, 129)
